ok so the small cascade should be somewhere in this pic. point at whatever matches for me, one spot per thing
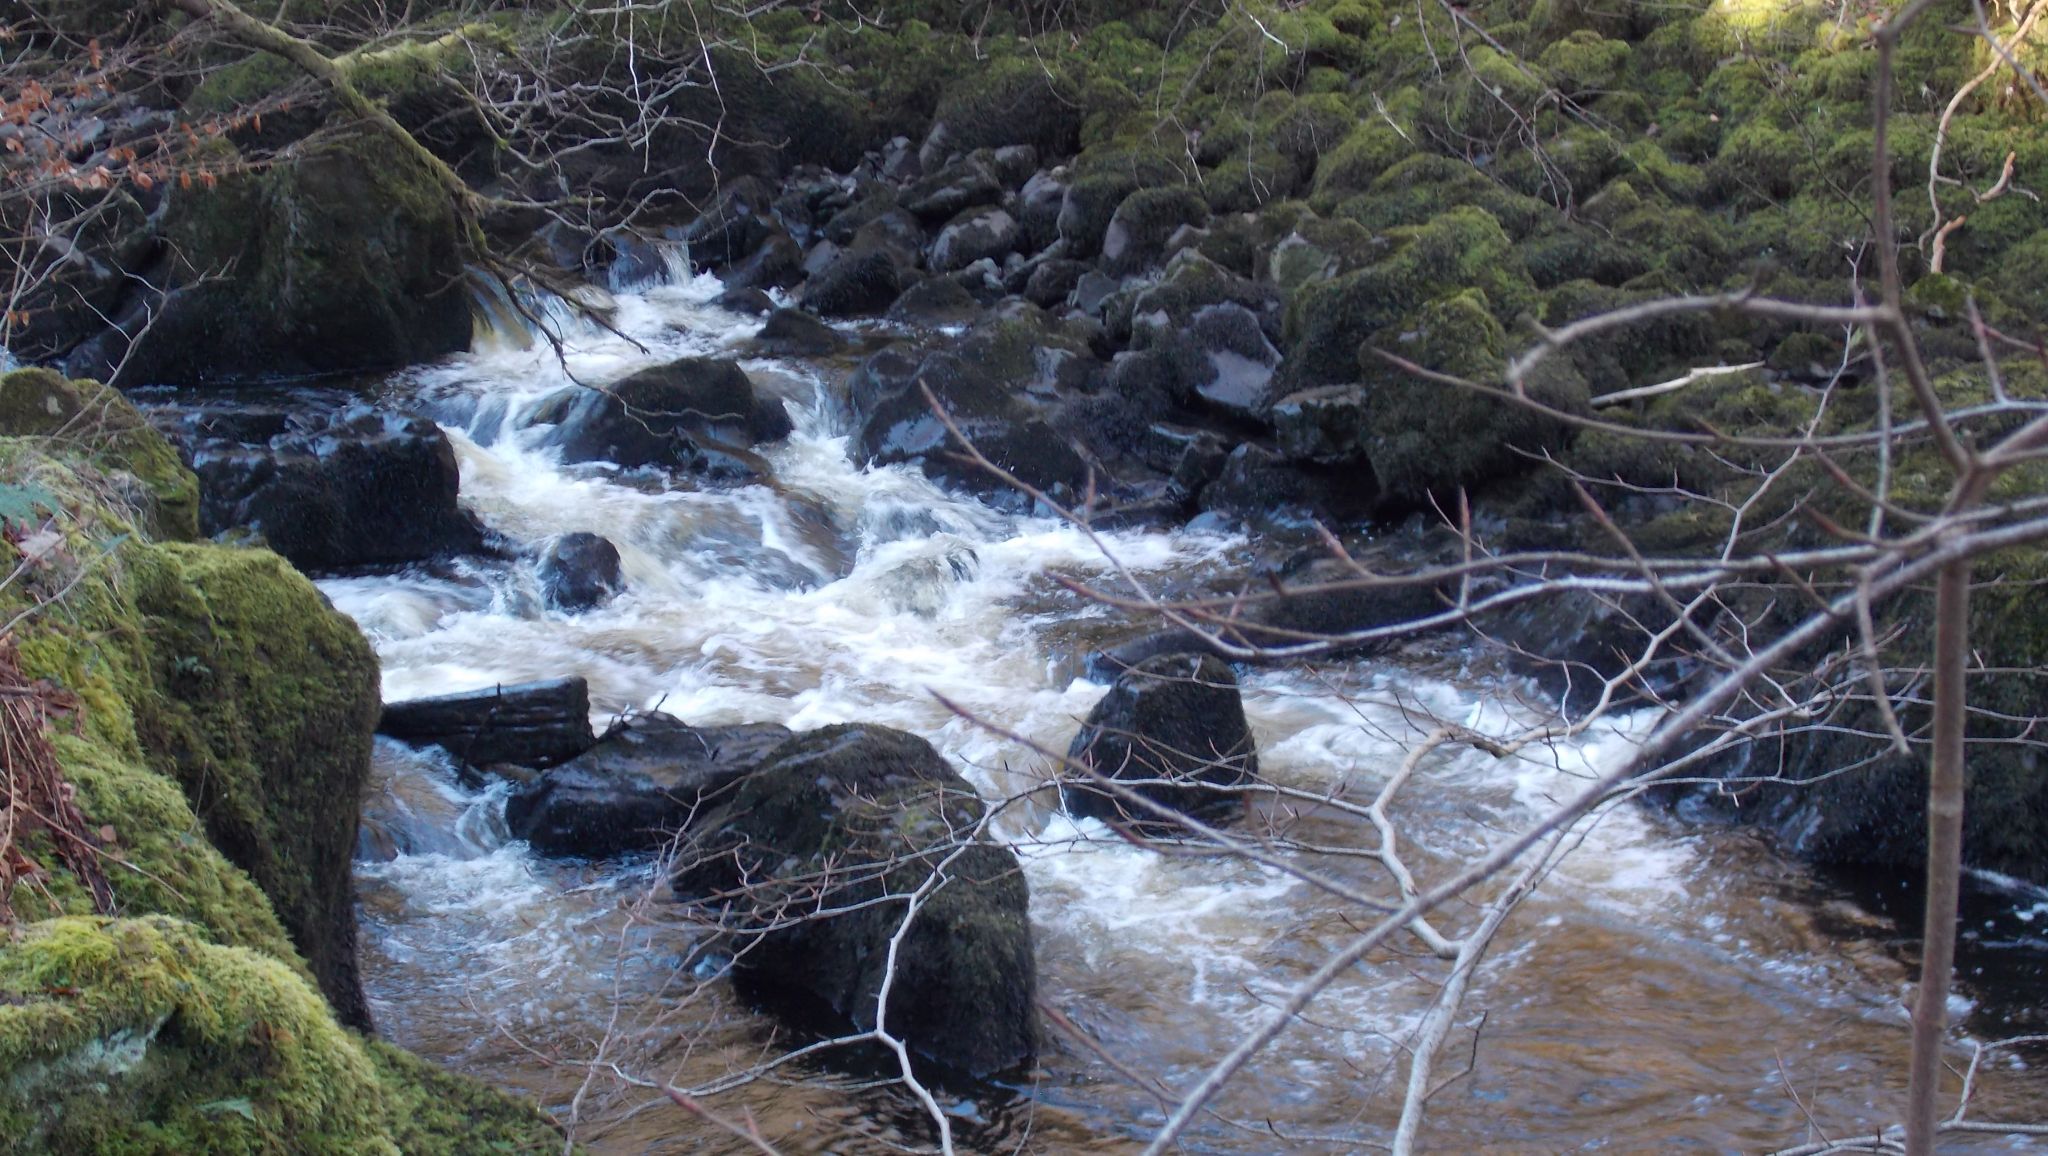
(846, 593)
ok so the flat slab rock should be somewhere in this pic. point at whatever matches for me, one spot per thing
(639, 785)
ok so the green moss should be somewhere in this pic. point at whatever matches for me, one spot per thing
(1373, 146)
(1016, 100)
(91, 421)
(141, 1036)
(1432, 438)
(1583, 61)
(219, 745)
(1464, 248)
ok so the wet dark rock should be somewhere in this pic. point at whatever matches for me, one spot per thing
(1325, 426)
(639, 786)
(963, 184)
(695, 414)
(872, 201)
(528, 724)
(776, 263)
(884, 374)
(862, 813)
(900, 426)
(753, 302)
(857, 282)
(1237, 381)
(973, 236)
(1172, 727)
(1571, 641)
(735, 224)
(329, 488)
(580, 571)
(1260, 487)
(794, 333)
(1052, 283)
(939, 301)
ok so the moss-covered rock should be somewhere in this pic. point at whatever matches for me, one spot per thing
(87, 420)
(1426, 437)
(1464, 248)
(217, 743)
(140, 1035)
(347, 257)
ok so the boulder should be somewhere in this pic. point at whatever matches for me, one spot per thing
(857, 282)
(900, 426)
(344, 255)
(580, 571)
(1039, 209)
(1173, 728)
(328, 488)
(939, 301)
(853, 818)
(737, 221)
(1258, 486)
(776, 263)
(1136, 235)
(1237, 379)
(752, 302)
(975, 235)
(962, 185)
(1052, 283)
(794, 333)
(639, 786)
(695, 414)
(1324, 425)
(528, 724)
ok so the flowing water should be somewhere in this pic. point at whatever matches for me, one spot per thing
(1667, 989)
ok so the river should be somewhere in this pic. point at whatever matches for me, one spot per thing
(1668, 989)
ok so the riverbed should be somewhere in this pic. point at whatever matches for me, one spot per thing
(1667, 989)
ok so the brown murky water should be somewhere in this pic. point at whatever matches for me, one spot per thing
(1667, 989)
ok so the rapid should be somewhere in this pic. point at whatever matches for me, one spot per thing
(1667, 989)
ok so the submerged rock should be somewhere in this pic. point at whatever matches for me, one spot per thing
(580, 571)
(1173, 727)
(637, 788)
(854, 818)
(528, 724)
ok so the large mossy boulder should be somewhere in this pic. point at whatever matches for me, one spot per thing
(213, 729)
(1464, 248)
(852, 821)
(88, 421)
(1171, 730)
(346, 256)
(148, 1034)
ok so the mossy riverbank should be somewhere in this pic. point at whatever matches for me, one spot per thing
(214, 721)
